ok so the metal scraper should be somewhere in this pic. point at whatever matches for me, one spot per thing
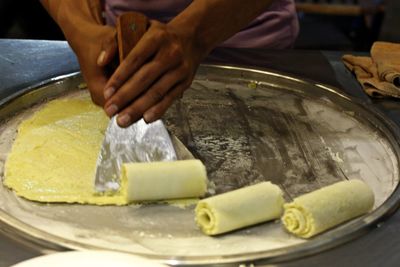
(140, 142)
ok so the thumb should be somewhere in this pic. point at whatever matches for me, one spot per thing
(108, 51)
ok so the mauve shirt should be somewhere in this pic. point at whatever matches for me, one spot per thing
(276, 27)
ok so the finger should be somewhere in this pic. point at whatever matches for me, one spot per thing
(139, 83)
(154, 95)
(108, 50)
(96, 82)
(158, 110)
(141, 53)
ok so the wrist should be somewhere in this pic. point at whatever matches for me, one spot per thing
(189, 32)
(210, 22)
(75, 17)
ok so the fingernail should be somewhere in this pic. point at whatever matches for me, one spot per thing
(148, 117)
(109, 92)
(124, 120)
(101, 57)
(111, 110)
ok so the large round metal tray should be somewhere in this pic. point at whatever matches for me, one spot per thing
(246, 126)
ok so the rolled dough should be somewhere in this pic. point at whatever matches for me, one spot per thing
(315, 212)
(239, 208)
(151, 181)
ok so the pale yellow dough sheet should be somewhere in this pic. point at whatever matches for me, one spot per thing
(53, 158)
(315, 212)
(239, 208)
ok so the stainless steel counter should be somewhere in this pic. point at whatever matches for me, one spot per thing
(24, 63)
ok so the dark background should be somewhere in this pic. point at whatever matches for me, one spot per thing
(27, 20)
(318, 30)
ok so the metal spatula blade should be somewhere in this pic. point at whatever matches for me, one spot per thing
(140, 142)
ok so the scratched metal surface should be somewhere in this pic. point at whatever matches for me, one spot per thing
(246, 126)
(295, 134)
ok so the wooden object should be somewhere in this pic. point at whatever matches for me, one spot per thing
(131, 26)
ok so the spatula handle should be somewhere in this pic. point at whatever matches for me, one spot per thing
(131, 26)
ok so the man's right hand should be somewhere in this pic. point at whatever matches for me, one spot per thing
(95, 50)
(82, 25)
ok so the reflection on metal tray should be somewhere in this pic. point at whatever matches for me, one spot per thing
(246, 126)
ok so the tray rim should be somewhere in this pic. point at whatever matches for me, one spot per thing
(46, 243)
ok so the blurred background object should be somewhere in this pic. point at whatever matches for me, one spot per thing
(390, 30)
(340, 24)
(351, 25)
(27, 20)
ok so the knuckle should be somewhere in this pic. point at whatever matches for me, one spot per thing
(136, 59)
(159, 112)
(186, 84)
(117, 79)
(154, 23)
(155, 67)
(135, 112)
(175, 51)
(169, 99)
(181, 89)
(185, 68)
(143, 77)
(155, 95)
(119, 99)
(149, 72)
(160, 34)
(111, 40)
(133, 59)
(96, 100)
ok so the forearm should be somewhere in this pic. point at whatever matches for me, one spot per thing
(74, 17)
(81, 23)
(210, 22)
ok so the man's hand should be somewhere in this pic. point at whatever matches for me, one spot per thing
(161, 66)
(155, 73)
(95, 51)
(82, 25)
